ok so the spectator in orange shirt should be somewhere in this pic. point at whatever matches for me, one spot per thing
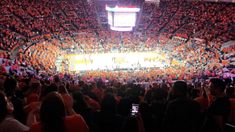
(53, 117)
(34, 90)
(68, 100)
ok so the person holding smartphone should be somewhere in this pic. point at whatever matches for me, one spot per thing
(134, 109)
(134, 122)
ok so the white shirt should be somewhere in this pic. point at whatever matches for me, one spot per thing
(9, 124)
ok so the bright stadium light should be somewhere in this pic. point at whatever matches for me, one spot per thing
(122, 18)
(122, 9)
(121, 28)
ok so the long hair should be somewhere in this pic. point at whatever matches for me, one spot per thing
(79, 102)
(108, 104)
(52, 113)
(10, 85)
(3, 107)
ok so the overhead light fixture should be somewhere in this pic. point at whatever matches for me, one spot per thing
(122, 18)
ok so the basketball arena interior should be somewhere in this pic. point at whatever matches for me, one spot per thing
(117, 65)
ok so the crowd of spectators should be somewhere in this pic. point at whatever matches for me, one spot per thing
(187, 58)
(73, 26)
(41, 102)
(4, 54)
(189, 34)
(190, 19)
(25, 22)
(43, 56)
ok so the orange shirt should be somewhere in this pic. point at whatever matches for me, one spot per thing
(73, 123)
(33, 97)
(204, 103)
(98, 92)
(33, 105)
(92, 103)
(68, 101)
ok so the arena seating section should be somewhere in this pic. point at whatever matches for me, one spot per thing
(77, 24)
(196, 34)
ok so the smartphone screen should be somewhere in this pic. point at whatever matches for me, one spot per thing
(134, 109)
